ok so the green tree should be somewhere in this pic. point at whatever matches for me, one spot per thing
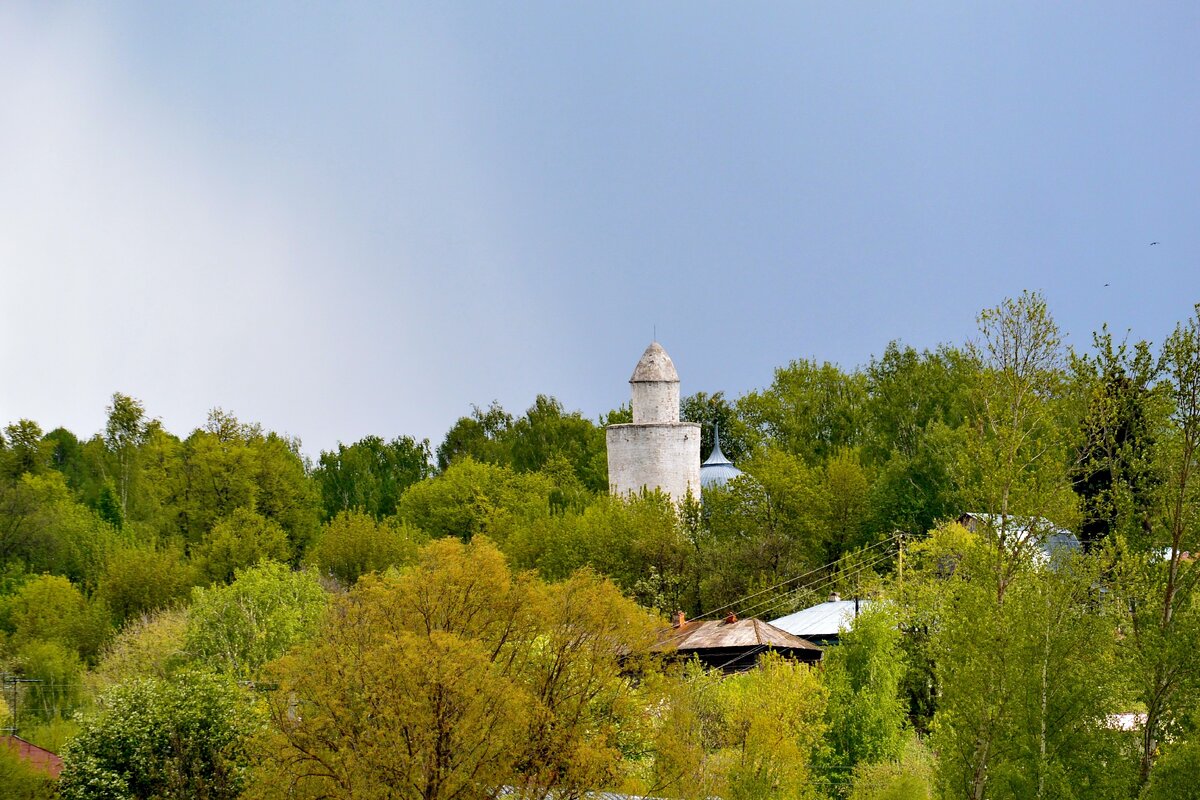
(238, 628)
(44, 530)
(480, 436)
(771, 726)
(371, 474)
(354, 543)
(712, 411)
(1012, 465)
(168, 739)
(54, 672)
(240, 540)
(810, 410)
(25, 452)
(1113, 471)
(51, 608)
(141, 580)
(21, 781)
(1159, 587)
(914, 402)
(471, 498)
(151, 645)
(546, 433)
(866, 714)
(123, 434)
(1014, 718)
(229, 465)
(453, 674)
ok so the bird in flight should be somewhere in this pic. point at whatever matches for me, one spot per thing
(1153, 243)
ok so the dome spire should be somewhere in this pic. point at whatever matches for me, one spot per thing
(716, 456)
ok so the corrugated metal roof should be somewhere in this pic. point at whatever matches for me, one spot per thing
(821, 621)
(714, 634)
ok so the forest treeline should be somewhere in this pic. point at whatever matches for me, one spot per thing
(213, 615)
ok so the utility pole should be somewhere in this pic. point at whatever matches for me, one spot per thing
(14, 682)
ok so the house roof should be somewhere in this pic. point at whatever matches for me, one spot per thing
(1055, 541)
(719, 634)
(821, 621)
(37, 757)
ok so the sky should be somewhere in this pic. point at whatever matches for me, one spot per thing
(349, 219)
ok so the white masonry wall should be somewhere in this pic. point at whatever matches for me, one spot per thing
(658, 455)
(655, 401)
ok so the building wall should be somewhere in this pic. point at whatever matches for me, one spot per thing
(663, 455)
(656, 401)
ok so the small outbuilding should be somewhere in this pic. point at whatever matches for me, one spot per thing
(732, 644)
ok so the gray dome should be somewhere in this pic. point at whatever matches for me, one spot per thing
(717, 470)
(655, 366)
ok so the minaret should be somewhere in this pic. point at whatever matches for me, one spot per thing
(656, 450)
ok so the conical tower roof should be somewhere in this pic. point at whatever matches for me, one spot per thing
(655, 366)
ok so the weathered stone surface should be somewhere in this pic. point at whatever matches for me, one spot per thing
(664, 455)
(655, 451)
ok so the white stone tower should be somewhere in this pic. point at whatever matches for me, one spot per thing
(656, 450)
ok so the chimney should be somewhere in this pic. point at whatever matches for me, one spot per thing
(834, 597)
(730, 618)
(680, 619)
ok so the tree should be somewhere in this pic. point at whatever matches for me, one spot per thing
(354, 543)
(22, 781)
(712, 411)
(123, 434)
(240, 540)
(238, 628)
(51, 608)
(141, 580)
(1012, 465)
(762, 528)
(150, 645)
(1113, 471)
(639, 544)
(45, 530)
(457, 674)
(25, 451)
(1159, 587)
(371, 474)
(914, 400)
(471, 498)
(479, 436)
(546, 432)
(1014, 717)
(771, 725)
(862, 675)
(229, 465)
(154, 738)
(810, 410)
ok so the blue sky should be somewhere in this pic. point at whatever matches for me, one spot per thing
(349, 219)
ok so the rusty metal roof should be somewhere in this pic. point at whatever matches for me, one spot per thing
(716, 634)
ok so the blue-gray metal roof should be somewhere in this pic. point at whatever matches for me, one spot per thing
(1055, 544)
(717, 470)
(822, 620)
